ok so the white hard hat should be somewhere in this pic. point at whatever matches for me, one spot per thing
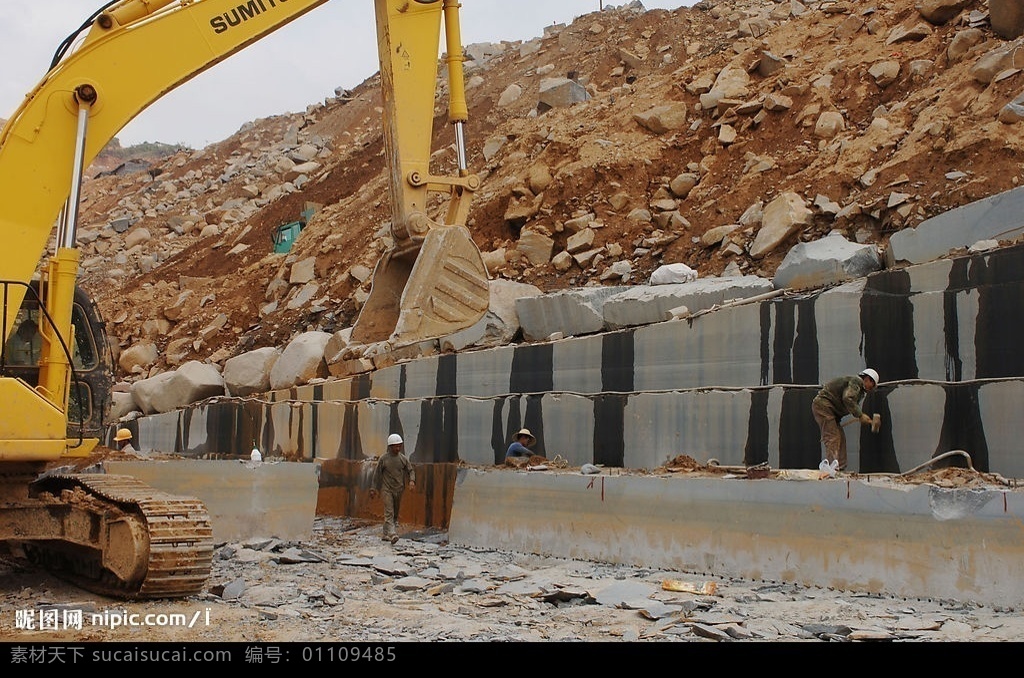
(868, 372)
(395, 439)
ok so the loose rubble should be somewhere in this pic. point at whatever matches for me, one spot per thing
(347, 584)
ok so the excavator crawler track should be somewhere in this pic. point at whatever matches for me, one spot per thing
(180, 537)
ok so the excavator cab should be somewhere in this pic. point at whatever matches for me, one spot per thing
(89, 397)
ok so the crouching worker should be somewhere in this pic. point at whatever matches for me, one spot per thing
(123, 440)
(521, 443)
(390, 475)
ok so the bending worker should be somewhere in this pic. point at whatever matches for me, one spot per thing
(389, 478)
(837, 398)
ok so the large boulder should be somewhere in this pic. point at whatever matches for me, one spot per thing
(122, 404)
(569, 312)
(560, 92)
(138, 357)
(249, 372)
(168, 391)
(823, 262)
(782, 217)
(664, 118)
(645, 304)
(301, 361)
(501, 322)
(997, 217)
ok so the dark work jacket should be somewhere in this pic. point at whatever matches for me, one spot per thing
(392, 472)
(843, 394)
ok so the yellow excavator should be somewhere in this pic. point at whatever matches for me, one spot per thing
(112, 534)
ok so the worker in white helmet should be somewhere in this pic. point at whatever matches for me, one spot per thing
(837, 398)
(390, 475)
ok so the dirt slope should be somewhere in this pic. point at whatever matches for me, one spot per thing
(917, 134)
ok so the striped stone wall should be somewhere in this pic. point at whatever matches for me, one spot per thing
(734, 384)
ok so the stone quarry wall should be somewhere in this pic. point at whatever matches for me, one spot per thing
(868, 536)
(734, 384)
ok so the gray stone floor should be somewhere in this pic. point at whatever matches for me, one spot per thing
(346, 584)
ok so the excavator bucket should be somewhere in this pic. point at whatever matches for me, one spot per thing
(415, 296)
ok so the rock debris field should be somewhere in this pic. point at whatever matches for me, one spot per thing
(346, 584)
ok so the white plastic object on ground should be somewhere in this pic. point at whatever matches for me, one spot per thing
(828, 469)
(673, 273)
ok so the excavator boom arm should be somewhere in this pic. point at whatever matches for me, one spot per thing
(37, 144)
(432, 282)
